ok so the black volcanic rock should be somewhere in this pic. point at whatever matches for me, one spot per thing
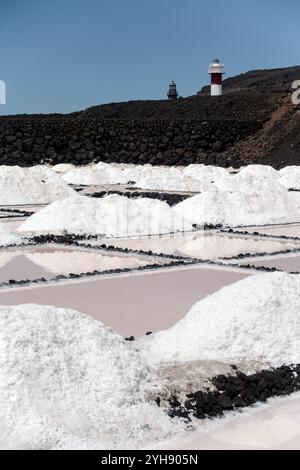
(253, 122)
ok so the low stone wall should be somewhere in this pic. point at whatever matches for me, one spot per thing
(166, 142)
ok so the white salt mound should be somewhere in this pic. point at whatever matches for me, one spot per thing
(7, 237)
(250, 182)
(204, 173)
(254, 319)
(69, 382)
(63, 167)
(137, 173)
(241, 208)
(290, 177)
(261, 170)
(111, 216)
(167, 183)
(100, 174)
(288, 170)
(31, 185)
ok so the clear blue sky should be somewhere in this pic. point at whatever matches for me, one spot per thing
(66, 55)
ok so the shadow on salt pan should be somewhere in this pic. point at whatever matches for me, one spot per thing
(203, 245)
(34, 263)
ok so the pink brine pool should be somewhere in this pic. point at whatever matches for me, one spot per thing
(135, 303)
(288, 263)
(204, 245)
(33, 263)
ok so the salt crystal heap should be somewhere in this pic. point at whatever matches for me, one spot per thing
(112, 216)
(289, 177)
(254, 196)
(7, 237)
(204, 173)
(167, 183)
(63, 167)
(254, 319)
(100, 174)
(69, 382)
(36, 185)
(240, 208)
(250, 179)
(107, 174)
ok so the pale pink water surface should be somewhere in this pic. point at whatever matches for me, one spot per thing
(288, 263)
(205, 244)
(132, 304)
(287, 230)
(34, 263)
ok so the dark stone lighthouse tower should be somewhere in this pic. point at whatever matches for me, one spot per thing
(172, 93)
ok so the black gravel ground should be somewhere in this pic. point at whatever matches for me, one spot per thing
(171, 199)
(235, 392)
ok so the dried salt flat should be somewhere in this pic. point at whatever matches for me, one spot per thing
(202, 244)
(275, 426)
(132, 304)
(47, 262)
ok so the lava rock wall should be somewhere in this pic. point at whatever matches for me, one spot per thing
(159, 142)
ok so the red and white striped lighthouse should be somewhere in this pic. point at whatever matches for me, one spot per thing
(216, 70)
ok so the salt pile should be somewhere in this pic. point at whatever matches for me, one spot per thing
(63, 167)
(251, 179)
(289, 177)
(31, 185)
(167, 183)
(204, 173)
(105, 174)
(7, 237)
(112, 216)
(69, 382)
(99, 174)
(263, 170)
(241, 208)
(254, 319)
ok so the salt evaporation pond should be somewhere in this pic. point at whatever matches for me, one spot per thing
(33, 263)
(288, 230)
(204, 244)
(289, 263)
(132, 304)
